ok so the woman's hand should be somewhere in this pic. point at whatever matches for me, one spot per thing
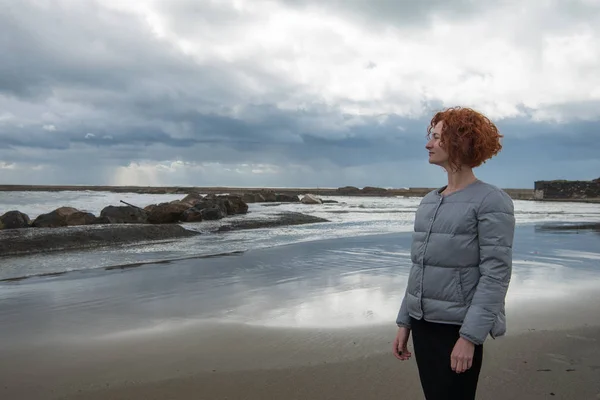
(462, 356)
(400, 348)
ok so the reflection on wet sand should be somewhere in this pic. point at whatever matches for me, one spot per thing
(339, 283)
(295, 306)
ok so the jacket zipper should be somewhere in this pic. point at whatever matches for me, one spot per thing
(431, 221)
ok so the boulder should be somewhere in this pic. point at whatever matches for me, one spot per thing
(212, 213)
(64, 216)
(212, 203)
(310, 199)
(123, 215)
(14, 220)
(374, 190)
(329, 201)
(150, 207)
(348, 190)
(209, 209)
(28, 241)
(253, 198)
(233, 204)
(286, 198)
(192, 215)
(167, 213)
(192, 199)
(268, 195)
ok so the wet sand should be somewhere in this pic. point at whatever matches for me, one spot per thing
(307, 321)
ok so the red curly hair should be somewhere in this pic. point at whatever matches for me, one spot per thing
(468, 136)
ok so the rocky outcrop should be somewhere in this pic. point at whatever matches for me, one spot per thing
(283, 219)
(217, 207)
(166, 213)
(269, 196)
(212, 213)
(14, 220)
(27, 241)
(348, 191)
(310, 199)
(253, 198)
(123, 215)
(370, 190)
(191, 215)
(192, 199)
(286, 198)
(64, 216)
(235, 205)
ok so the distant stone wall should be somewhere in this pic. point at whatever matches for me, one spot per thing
(559, 190)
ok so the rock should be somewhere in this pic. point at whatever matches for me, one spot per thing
(212, 203)
(212, 207)
(14, 220)
(268, 195)
(348, 190)
(150, 207)
(123, 215)
(253, 198)
(192, 199)
(286, 198)
(64, 216)
(374, 190)
(192, 215)
(167, 213)
(234, 204)
(27, 241)
(283, 219)
(329, 201)
(310, 199)
(212, 213)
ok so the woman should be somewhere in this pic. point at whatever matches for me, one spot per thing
(461, 260)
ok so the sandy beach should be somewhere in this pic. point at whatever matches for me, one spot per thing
(311, 320)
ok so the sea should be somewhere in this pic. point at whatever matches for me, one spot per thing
(350, 272)
(349, 217)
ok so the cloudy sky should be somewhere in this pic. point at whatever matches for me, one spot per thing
(292, 92)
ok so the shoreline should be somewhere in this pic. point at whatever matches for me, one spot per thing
(516, 193)
(524, 194)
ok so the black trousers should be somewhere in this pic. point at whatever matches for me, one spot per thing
(433, 345)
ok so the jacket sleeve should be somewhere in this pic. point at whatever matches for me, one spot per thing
(403, 318)
(495, 229)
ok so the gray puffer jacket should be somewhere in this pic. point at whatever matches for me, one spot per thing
(461, 261)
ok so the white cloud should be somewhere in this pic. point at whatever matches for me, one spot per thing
(89, 136)
(50, 128)
(4, 165)
(507, 56)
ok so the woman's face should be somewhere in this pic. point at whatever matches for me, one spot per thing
(437, 155)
